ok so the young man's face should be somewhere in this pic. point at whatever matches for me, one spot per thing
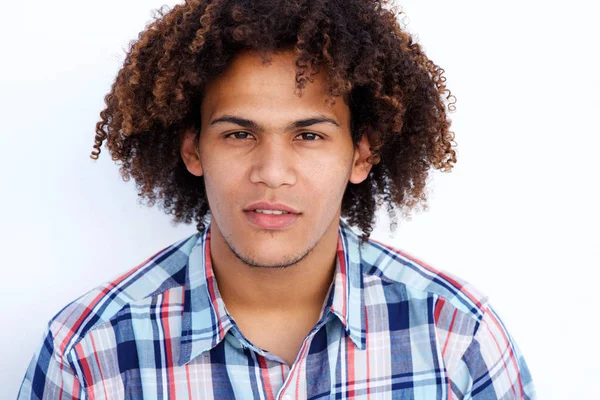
(250, 151)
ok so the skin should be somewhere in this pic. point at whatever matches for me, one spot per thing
(274, 282)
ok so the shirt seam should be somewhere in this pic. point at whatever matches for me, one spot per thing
(101, 322)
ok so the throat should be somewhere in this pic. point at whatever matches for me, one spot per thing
(281, 335)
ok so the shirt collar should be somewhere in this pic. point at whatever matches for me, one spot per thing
(205, 321)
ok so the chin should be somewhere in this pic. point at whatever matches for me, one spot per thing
(268, 256)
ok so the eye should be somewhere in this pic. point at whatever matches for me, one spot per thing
(237, 135)
(312, 135)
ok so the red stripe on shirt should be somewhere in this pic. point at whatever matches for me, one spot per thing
(351, 377)
(295, 366)
(210, 280)
(164, 317)
(187, 378)
(264, 373)
(342, 260)
(76, 388)
(512, 356)
(438, 310)
(99, 366)
(60, 394)
(87, 373)
(449, 332)
(88, 310)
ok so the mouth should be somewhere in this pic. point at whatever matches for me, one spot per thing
(271, 221)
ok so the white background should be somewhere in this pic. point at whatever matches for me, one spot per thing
(518, 216)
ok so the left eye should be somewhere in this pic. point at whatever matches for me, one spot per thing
(236, 135)
(311, 134)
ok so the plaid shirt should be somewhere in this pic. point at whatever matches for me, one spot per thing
(391, 327)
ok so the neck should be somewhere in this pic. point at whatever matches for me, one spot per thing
(299, 288)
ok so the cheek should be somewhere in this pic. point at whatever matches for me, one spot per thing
(221, 179)
(328, 178)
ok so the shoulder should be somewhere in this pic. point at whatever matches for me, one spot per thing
(469, 335)
(395, 266)
(163, 270)
(432, 296)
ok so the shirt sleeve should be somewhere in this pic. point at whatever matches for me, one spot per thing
(496, 366)
(50, 375)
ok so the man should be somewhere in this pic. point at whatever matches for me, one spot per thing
(275, 119)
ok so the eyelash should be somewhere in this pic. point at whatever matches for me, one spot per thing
(303, 133)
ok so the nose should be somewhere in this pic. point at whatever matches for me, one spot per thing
(273, 163)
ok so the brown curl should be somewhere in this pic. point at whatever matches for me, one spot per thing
(396, 95)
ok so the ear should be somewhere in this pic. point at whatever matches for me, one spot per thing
(360, 166)
(190, 153)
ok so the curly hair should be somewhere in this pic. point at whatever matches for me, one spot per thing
(395, 93)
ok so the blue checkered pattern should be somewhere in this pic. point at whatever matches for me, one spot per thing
(392, 327)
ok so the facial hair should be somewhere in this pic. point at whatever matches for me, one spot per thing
(253, 263)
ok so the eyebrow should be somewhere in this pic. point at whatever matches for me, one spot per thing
(246, 123)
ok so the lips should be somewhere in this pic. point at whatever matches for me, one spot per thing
(271, 206)
(271, 221)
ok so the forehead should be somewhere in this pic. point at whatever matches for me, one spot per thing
(249, 84)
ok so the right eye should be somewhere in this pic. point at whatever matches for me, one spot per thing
(237, 135)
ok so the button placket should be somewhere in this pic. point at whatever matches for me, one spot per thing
(306, 343)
